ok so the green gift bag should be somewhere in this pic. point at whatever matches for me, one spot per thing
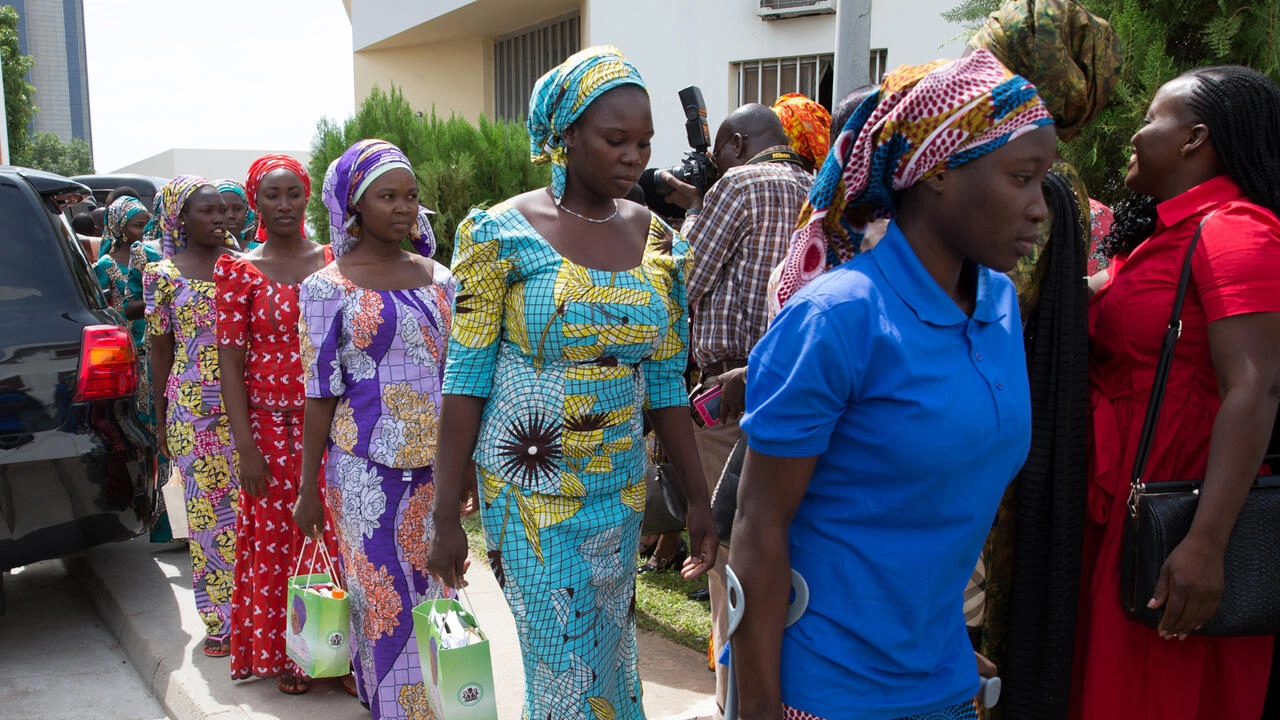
(318, 633)
(459, 680)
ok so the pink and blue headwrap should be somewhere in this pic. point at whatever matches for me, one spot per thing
(924, 120)
(563, 94)
(173, 196)
(347, 179)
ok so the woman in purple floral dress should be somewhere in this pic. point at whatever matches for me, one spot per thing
(187, 391)
(374, 327)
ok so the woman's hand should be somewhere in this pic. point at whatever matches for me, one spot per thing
(986, 668)
(704, 542)
(1189, 588)
(447, 559)
(255, 473)
(308, 512)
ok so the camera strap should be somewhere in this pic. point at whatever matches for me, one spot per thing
(775, 155)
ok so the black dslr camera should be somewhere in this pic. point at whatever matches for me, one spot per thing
(695, 167)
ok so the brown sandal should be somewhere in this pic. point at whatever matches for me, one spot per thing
(349, 684)
(291, 683)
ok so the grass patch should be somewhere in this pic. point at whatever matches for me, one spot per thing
(662, 605)
(475, 539)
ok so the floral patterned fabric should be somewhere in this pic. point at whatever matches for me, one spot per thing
(381, 353)
(260, 316)
(566, 356)
(199, 435)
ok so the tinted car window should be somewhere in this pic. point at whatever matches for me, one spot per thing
(33, 268)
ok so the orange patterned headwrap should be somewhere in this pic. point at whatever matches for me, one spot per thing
(807, 123)
(259, 170)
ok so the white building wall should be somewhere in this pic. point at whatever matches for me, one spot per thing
(373, 21)
(211, 164)
(914, 31)
(677, 43)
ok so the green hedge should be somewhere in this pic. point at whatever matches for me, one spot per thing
(459, 165)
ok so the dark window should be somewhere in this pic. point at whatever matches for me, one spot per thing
(522, 57)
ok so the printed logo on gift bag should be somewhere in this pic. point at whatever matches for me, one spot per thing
(470, 695)
(336, 640)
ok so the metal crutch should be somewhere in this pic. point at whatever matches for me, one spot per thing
(988, 690)
(798, 603)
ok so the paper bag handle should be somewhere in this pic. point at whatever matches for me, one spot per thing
(318, 546)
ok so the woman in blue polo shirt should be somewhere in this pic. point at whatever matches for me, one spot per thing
(888, 407)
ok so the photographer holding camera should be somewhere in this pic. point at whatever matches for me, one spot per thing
(738, 232)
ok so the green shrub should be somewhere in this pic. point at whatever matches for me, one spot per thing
(459, 165)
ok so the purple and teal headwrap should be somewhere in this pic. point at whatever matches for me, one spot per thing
(563, 94)
(175, 193)
(235, 187)
(347, 179)
(118, 215)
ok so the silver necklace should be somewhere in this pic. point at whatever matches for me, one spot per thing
(598, 221)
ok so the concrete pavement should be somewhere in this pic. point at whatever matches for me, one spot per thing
(143, 592)
(58, 660)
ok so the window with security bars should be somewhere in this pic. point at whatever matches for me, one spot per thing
(879, 66)
(763, 81)
(522, 57)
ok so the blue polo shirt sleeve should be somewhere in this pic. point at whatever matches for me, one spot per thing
(803, 375)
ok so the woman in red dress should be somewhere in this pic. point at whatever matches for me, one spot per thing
(263, 386)
(1210, 143)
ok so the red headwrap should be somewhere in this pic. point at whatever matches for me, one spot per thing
(259, 170)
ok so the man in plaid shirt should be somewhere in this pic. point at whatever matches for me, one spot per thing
(739, 233)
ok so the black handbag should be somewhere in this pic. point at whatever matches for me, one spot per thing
(1160, 514)
(665, 504)
(724, 499)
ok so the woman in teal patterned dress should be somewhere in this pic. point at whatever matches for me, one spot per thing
(570, 319)
(121, 279)
(123, 226)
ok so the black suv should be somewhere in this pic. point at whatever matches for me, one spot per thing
(77, 466)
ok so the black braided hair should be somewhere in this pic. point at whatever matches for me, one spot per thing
(1241, 108)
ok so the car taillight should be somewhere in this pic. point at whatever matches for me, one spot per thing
(108, 364)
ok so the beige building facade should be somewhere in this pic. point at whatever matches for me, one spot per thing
(474, 57)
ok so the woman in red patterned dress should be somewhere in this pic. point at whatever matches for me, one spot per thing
(262, 380)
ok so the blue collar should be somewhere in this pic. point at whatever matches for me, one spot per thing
(920, 292)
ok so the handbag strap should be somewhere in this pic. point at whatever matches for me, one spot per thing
(1162, 366)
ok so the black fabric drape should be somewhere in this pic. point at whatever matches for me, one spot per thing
(1050, 500)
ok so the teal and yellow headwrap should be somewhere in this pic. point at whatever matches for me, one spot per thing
(563, 94)
(118, 215)
(250, 216)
